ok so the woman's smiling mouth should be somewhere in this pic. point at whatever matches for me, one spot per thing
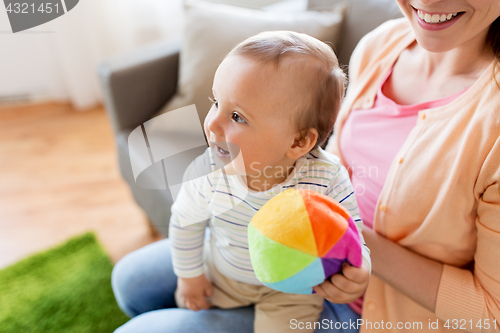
(436, 21)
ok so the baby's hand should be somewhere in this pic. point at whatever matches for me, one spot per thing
(347, 286)
(192, 292)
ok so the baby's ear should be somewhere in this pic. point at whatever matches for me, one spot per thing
(303, 143)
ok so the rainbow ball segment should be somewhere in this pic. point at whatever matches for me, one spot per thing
(300, 238)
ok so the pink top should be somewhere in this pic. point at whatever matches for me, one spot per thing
(370, 140)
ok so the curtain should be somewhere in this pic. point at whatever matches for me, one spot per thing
(58, 59)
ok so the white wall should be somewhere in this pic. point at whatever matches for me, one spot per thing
(57, 60)
(247, 3)
(27, 63)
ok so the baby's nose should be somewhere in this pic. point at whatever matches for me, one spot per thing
(214, 129)
(212, 137)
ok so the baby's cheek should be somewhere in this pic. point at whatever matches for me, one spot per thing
(207, 134)
(205, 126)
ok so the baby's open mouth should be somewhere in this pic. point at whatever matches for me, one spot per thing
(222, 152)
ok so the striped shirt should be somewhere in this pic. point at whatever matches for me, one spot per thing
(227, 205)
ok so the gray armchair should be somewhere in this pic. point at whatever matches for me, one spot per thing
(137, 85)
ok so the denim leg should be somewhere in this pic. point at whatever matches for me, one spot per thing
(186, 321)
(144, 280)
(338, 318)
(144, 284)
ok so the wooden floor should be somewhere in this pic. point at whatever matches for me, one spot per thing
(59, 177)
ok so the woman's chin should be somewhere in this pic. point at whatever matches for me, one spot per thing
(434, 44)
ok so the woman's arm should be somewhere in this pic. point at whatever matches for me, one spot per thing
(453, 293)
(411, 274)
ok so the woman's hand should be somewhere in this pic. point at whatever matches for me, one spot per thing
(347, 286)
(192, 292)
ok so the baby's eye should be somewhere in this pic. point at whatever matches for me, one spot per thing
(216, 103)
(237, 118)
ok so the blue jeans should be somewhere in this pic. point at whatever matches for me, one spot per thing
(144, 284)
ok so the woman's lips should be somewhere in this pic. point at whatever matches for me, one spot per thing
(436, 25)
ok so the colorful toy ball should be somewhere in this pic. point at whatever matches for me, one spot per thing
(299, 238)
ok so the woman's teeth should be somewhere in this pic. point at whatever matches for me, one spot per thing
(436, 18)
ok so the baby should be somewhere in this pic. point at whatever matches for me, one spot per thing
(276, 97)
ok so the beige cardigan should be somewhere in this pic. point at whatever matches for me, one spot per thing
(442, 200)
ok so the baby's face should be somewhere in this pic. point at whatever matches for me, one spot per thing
(253, 109)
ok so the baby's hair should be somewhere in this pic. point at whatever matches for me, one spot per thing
(328, 85)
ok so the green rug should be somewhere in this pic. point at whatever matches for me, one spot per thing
(65, 289)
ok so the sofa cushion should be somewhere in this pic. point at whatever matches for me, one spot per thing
(212, 30)
(362, 17)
